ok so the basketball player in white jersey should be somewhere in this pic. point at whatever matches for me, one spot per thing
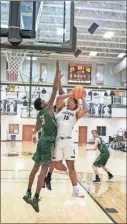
(66, 119)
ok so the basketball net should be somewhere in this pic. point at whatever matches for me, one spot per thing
(15, 60)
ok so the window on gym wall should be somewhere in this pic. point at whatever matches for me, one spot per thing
(13, 128)
(101, 130)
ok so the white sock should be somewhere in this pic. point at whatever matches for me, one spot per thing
(75, 188)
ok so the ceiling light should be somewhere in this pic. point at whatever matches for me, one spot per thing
(4, 25)
(93, 53)
(68, 2)
(6, 2)
(34, 58)
(108, 34)
(121, 55)
(98, 74)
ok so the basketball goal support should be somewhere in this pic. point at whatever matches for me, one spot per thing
(30, 87)
(14, 22)
(15, 51)
(13, 32)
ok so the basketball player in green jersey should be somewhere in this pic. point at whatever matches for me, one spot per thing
(52, 167)
(45, 147)
(102, 159)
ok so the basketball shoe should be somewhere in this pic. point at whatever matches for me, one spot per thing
(77, 193)
(27, 197)
(35, 203)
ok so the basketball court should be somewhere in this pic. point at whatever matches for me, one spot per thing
(33, 36)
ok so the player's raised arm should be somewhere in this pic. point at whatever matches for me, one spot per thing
(55, 87)
(61, 98)
(64, 96)
(84, 109)
(60, 88)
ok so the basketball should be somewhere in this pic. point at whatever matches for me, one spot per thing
(78, 92)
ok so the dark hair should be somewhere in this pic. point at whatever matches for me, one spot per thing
(94, 131)
(37, 104)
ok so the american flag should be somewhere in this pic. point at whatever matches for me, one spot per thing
(12, 76)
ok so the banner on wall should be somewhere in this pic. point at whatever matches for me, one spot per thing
(43, 72)
(100, 74)
(106, 99)
(96, 99)
(99, 110)
(117, 100)
(25, 112)
(9, 107)
(11, 95)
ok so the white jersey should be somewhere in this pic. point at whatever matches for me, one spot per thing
(66, 120)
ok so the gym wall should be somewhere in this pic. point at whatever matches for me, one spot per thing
(111, 124)
(109, 78)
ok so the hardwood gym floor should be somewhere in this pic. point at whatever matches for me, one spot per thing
(58, 206)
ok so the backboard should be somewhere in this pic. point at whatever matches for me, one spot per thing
(25, 112)
(53, 22)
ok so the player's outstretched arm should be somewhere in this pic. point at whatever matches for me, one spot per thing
(60, 88)
(55, 86)
(84, 109)
(61, 98)
(65, 96)
(95, 147)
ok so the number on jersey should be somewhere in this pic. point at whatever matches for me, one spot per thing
(42, 119)
(66, 117)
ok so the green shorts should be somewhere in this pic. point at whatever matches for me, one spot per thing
(44, 152)
(101, 160)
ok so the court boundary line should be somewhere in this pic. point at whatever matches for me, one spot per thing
(61, 173)
(97, 203)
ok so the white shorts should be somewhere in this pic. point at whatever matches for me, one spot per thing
(64, 149)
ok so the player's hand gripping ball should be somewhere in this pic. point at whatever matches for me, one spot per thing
(79, 92)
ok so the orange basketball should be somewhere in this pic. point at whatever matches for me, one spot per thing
(79, 91)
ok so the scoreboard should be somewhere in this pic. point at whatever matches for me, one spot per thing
(79, 74)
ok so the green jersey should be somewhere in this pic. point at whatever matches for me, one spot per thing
(102, 147)
(48, 124)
